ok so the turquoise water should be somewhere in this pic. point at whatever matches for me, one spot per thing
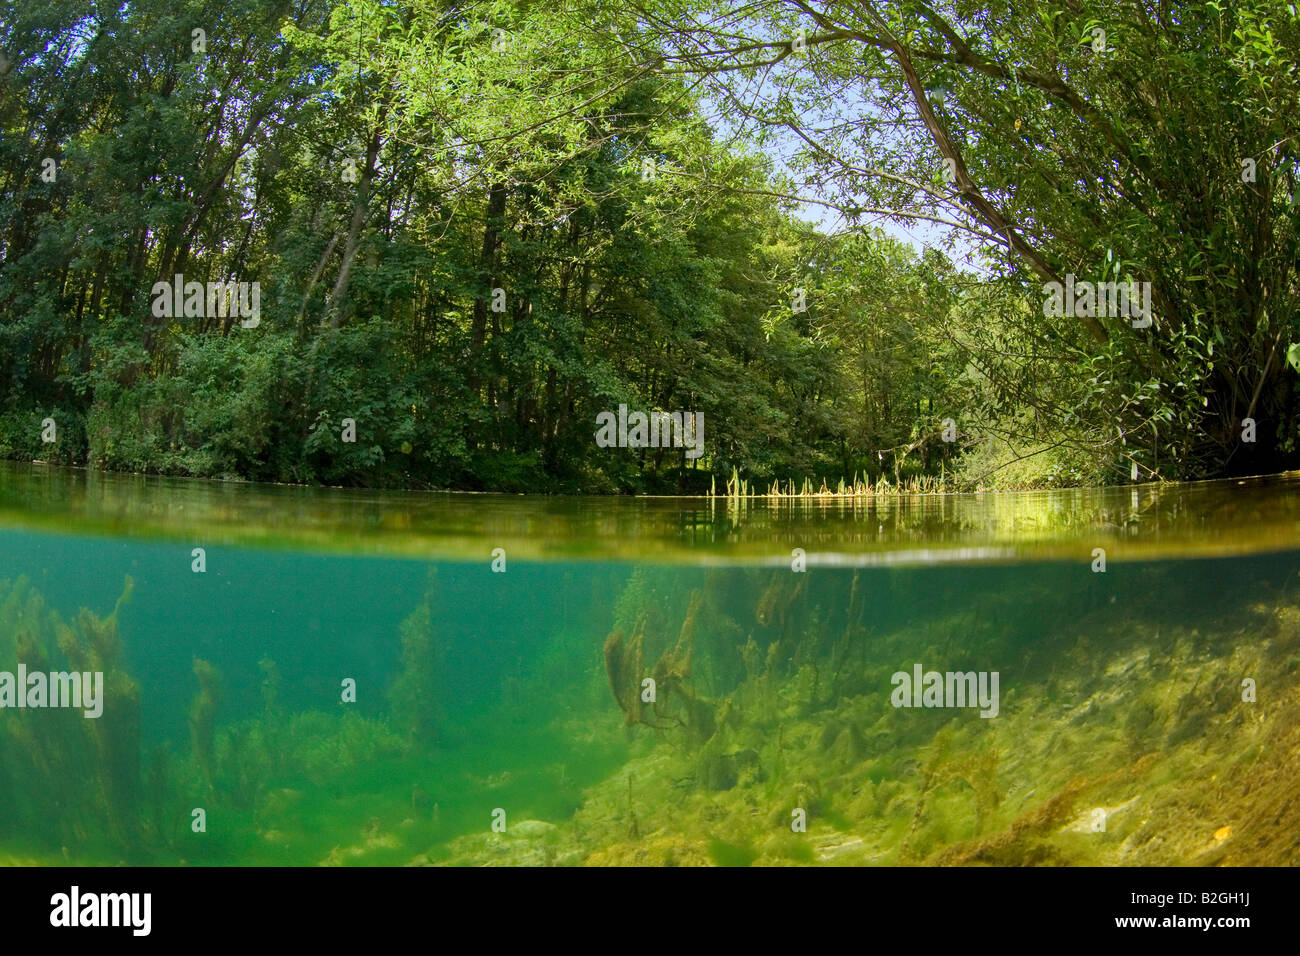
(1144, 714)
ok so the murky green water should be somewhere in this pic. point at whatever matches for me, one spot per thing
(343, 678)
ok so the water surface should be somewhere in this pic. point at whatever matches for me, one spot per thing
(347, 680)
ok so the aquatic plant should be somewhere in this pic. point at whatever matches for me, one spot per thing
(272, 681)
(675, 702)
(87, 768)
(739, 491)
(932, 788)
(95, 645)
(770, 701)
(624, 666)
(416, 694)
(202, 720)
(775, 603)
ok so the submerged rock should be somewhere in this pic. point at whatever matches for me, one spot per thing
(1095, 819)
(532, 830)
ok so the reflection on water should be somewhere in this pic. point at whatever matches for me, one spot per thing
(1203, 518)
(312, 703)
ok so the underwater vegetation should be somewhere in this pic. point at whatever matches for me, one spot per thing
(1126, 734)
(730, 716)
(94, 791)
(66, 780)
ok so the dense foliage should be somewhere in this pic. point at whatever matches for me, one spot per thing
(476, 226)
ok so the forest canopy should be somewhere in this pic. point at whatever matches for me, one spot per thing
(426, 244)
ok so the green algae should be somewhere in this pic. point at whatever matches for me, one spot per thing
(731, 854)
(1123, 734)
(1087, 759)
